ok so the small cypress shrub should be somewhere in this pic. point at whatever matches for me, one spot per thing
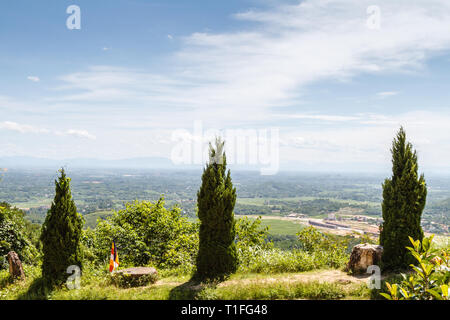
(61, 234)
(404, 197)
(217, 256)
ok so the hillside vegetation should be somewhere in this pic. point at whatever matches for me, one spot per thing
(216, 256)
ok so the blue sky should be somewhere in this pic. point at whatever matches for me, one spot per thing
(139, 70)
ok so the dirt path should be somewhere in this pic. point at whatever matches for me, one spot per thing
(331, 276)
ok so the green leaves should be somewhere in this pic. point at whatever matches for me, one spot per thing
(14, 235)
(147, 233)
(441, 293)
(431, 274)
(393, 291)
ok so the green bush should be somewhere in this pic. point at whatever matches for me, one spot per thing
(250, 236)
(279, 261)
(15, 235)
(430, 277)
(330, 251)
(317, 251)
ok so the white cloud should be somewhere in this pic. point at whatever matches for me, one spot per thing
(321, 117)
(80, 134)
(241, 77)
(33, 78)
(386, 94)
(270, 64)
(22, 128)
(368, 140)
(25, 128)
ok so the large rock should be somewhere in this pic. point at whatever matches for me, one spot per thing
(363, 256)
(15, 266)
(134, 277)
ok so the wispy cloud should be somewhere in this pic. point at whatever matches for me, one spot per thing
(321, 117)
(25, 128)
(80, 134)
(22, 128)
(33, 78)
(269, 65)
(251, 76)
(368, 139)
(386, 94)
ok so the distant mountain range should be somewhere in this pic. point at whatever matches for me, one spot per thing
(166, 163)
(141, 163)
(88, 163)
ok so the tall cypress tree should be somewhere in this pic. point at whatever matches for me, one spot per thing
(61, 234)
(404, 197)
(217, 256)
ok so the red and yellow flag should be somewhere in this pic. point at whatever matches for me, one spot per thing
(114, 260)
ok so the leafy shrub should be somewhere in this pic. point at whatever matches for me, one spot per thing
(317, 251)
(277, 261)
(14, 236)
(5, 279)
(250, 236)
(249, 233)
(4, 264)
(330, 251)
(311, 239)
(430, 277)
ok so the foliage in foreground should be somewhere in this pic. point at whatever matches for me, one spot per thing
(250, 237)
(430, 277)
(96, 285)
(404, 197)
(267, 290)
(146, 233)
(61, 233)
(16, 234)
(318, 251)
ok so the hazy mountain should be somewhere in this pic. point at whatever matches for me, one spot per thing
(32, 162)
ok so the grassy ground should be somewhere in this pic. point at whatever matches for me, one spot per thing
(261, 201)
(95, 285)
(278, 226)
(281, 227)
